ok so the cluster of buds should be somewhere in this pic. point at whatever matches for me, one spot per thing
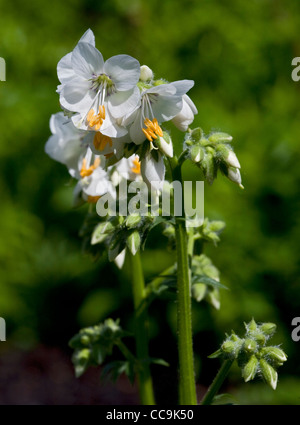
(214, 152)
(253, 355)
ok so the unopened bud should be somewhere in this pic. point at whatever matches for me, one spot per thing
(251, 326)
(101, 231)
(250, 345)
(197, 153)
(235, 176)
(250, 369)
(269, 373)
(209, 167)
(146, 73)
(219, 137)
(132, 220)
(134, 242)
(275, 354)
(199, 291)
(85, 340)
(268, 328)
(165, 144)
(229, 347)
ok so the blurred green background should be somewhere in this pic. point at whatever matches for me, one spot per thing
(239, 55)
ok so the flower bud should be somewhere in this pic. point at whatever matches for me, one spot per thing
(232, 160)
(250, 345)
(213, 297)
(197, 153)
(250, 369)
(165, 144)
(260, 338)
(209, 167)
(219, 137)
(134, 242)
(235, 176)
(275, 354)
(146, 73)
(199, 291)
(251, 326)
(85, 340)
(132, 220)
(268, 328)
(229, 347)
(269, 373)
(101, 232)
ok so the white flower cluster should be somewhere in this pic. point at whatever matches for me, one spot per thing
(109, 106)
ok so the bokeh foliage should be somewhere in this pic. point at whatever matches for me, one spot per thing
(239, 54)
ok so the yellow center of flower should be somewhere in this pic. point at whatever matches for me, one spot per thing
(85, 172)
(96, 120)
(153, 130)
(100, 141)
(136, 166)
(93, 199)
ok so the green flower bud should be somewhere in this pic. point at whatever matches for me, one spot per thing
(268, 328)
(251, 326)
(260, 338)
(132, 220)
(250, 345)
(85, 340)
(199, 291)
(213, 297)
(196, 134)
(229, 347)
(83, 354)
(219, 137)
(235, 176)
(134, 242)
(269, 373)
(275, 354)
(250, 369)
(196, 153)
(101, 231)
(209, 167)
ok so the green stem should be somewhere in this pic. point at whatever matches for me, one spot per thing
(217, 382)
(187, 387)
(141, 332)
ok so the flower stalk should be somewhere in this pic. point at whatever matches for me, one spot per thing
(187, 387)
(141, 332)
(217, 382)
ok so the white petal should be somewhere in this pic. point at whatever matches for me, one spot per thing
(186, 116)
(135, 130)
(87, 60)
(64, 69)
(183, 86)
(153, 172)
(76, 95)
(124, 103)
(166, 107)
(124, 70)
(88, 37)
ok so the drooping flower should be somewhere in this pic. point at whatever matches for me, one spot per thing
(99, 93)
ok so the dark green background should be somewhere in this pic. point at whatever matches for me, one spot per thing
(239, 54)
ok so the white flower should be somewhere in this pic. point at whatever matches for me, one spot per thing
(186, 116)
(158, 104)
(67, 143)
(100, 93)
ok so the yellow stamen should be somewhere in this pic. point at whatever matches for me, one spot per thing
(136, 166)
(93, 199)
(96, 120)
(100, 141)
(153, 129)
(108, 155)
(85, 172)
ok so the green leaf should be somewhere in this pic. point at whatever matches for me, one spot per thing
(208, 281)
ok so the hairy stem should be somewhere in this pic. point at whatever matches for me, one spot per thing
(141, 332)
(217, 382)
(187, 387)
